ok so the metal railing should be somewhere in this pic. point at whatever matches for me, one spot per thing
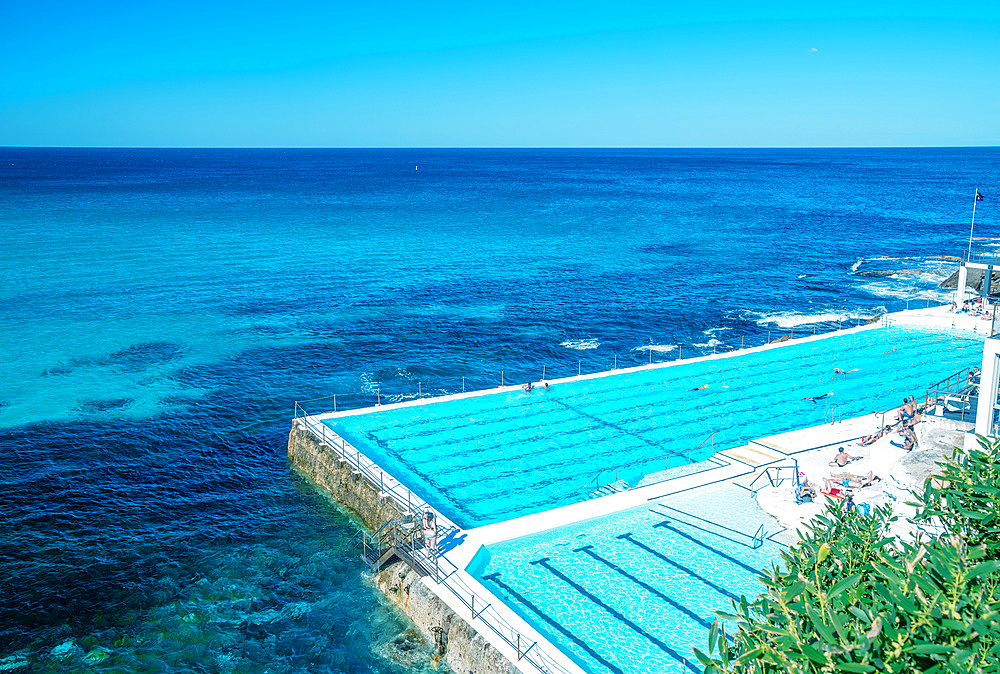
(775, 477)
(955, 390)
(833, 414)
(756, 539)
(447, 573)
(596, 482)
(502, 378)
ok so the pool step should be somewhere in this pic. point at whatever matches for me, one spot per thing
(613, 488)
(755, 454)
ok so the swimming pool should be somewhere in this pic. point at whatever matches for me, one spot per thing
(637, 590)
(486, 459)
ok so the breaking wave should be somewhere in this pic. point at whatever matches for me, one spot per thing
(581, 344)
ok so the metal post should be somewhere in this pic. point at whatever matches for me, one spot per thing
(579, 367)
(379, 393)
(518, 646)
(791, 333)
(650, 355)
(419, 390)
(768, 336)
(543, 373)
(334, 402)
(473, 604)
(501, 378)
(463, 384)
(741, 342)
(616, 361)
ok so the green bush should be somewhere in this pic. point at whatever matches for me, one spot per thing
(848, 597)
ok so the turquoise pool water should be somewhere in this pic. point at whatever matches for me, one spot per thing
(637, 590)
(491, 458)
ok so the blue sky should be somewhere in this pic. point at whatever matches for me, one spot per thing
(517, 73)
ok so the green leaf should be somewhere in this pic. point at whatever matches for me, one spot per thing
(983, 569)
(842, 585)
(854, 667)
(927, 649)
(813, 654)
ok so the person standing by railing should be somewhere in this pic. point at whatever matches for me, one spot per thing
(429, 526)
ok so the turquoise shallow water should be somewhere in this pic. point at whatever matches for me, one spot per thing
(491, 458)
(638, 590)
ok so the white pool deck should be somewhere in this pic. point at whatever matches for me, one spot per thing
(809, 450)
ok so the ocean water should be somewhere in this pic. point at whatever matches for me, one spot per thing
(162, 311)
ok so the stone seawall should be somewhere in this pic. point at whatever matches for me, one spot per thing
(449, 635)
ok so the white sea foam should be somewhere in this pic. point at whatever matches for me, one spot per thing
(709, 344)
(900, 292)
(368, 383)
(791, 319)
(712, 331)
(659, 348)
(581, 344)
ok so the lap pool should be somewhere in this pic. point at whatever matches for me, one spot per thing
(490, 458)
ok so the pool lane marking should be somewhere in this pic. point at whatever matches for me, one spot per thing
(589, 550)
(616, 427)
(544, 563)
(495, 579)
(720, 553)
(691, 572)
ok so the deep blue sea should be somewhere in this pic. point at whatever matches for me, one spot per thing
(162, 311)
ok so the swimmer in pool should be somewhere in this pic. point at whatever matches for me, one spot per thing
(837, 370)
(703, 386)
(815, 398)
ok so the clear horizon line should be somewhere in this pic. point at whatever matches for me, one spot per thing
(492, 147)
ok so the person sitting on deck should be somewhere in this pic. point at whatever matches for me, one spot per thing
(862, 508)
(911, 438)
(905, 412)
(843, 458)
(805, 492)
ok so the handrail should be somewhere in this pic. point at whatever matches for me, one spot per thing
(835, 412)
(964, 389)
(488, 615)
(641, 462)
(756, 539)
(774, 481)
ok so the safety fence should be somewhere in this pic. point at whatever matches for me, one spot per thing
(414, 389)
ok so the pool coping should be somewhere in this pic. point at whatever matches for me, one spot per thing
(473, 540)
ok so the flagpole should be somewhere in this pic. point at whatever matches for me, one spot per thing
(975, 198)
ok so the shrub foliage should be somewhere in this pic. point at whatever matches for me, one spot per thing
(849, 597)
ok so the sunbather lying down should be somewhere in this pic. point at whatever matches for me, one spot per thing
(850, 481)
(871, 439)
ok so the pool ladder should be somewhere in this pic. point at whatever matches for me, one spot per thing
(833, 414)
